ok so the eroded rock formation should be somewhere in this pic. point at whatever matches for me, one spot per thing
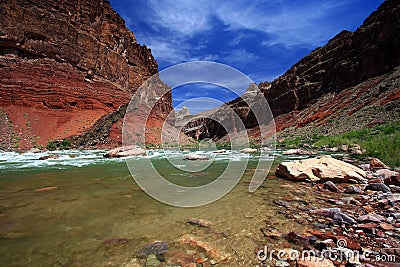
(65, 65)
(352, 81)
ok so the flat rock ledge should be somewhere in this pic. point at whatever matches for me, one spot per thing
(322, 168)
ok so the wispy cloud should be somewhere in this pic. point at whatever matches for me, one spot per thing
(183, 17)
(290, 24)
(238, 57)
(287, 24)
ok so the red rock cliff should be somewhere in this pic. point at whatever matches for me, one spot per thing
(64, 65)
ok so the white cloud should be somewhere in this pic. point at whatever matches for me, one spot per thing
(287, 24)
(184, 17)
(167, 50)
(239, 57)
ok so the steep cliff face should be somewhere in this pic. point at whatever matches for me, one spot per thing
(348, 59)
(90, 35)
(328, 84)
(63, 66)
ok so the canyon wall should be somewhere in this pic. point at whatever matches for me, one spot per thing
(328, 85)
(65, 65)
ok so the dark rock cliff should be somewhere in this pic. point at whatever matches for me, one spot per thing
(348, 59)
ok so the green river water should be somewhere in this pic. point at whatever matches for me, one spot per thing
(84, 200)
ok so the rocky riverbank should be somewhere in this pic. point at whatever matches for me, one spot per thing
(342, 223)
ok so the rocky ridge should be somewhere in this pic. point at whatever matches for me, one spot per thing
(353, 73)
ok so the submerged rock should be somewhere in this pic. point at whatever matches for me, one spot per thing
(211, 251)
(200, 222)
(156, 248)
(323, 168)
(115, 241)
(45, 189)
(125, 151)
(152, 261)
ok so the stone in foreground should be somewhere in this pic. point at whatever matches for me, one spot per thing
(125, 152)
(323, 168)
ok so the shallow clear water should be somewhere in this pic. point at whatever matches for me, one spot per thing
(59, 212)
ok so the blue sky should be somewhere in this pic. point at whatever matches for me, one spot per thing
(262, 39)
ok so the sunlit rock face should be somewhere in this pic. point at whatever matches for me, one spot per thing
(354, 70)
(65, 65)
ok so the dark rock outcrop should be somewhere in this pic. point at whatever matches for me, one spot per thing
(348, 59)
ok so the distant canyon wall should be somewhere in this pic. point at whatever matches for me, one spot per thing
(353, 74)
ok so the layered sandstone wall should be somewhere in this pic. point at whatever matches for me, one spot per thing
(66, 64)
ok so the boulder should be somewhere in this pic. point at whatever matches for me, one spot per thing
(195, 157)
(34, 150)
(155, 248)
(323, 168)
(248, 150)
(125, 152)
(298, 151)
